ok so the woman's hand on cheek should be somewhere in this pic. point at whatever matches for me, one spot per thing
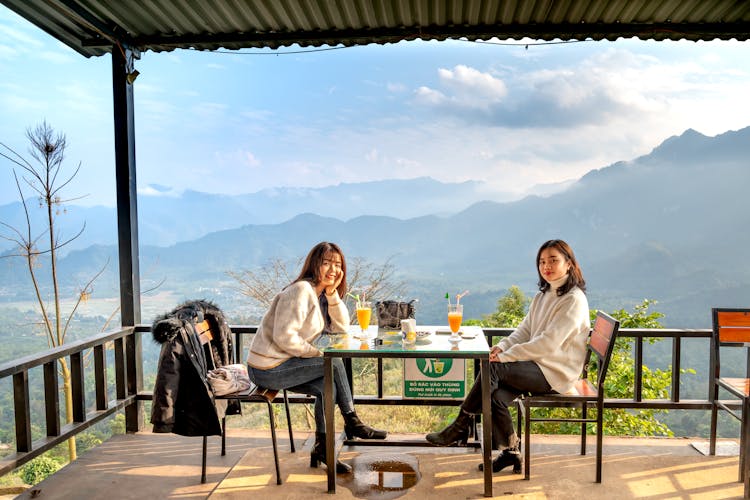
(336, 283)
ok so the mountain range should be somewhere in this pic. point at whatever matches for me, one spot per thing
(202, 213)
(670, 225)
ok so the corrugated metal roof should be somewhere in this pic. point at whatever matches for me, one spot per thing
(92, 27)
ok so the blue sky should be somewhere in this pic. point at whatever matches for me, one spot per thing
(507, 115)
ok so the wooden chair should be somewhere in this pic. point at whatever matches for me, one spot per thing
(731, 328)
(255, 394)
(584, 393)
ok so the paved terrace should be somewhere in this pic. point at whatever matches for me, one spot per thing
(154, 466)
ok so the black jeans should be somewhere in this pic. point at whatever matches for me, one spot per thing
(507, 382)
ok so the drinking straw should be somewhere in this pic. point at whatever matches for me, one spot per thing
(458, 296)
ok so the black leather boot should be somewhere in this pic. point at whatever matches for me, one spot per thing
(457, 432)
(354, 427)
(318, 455)
(509, 456)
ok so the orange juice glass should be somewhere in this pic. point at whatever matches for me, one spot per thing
(364, 313)
(455, 317)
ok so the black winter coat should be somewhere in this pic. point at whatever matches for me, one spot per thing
(183, 402)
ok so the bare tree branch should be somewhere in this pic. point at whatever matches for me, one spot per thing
(263, 283)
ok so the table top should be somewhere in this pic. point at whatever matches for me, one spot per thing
(388, 343)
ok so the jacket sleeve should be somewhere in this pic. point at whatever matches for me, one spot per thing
(521, 334)
(338, 312)
(567, 319)
(166, 386)
(291, 315)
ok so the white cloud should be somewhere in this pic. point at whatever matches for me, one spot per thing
(473, 87)
(158, 191)
(426, 95)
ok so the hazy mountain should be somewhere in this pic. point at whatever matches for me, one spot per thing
(202, 213)
(670, 225)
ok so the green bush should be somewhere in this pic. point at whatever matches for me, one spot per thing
(39, 469)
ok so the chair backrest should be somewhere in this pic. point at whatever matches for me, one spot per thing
(731, 328)
(601, 345)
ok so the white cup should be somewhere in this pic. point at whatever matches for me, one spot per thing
(409, 329)
(409, 325)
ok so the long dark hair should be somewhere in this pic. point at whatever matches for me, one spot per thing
(575, 275)
(311, 268)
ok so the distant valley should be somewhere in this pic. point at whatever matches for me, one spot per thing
(670, 226)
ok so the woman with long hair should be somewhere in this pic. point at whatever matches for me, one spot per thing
(283, 355)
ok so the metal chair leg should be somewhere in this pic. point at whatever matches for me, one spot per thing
(223, 436)
(714, 412)
(744, 443)
(273, 440)
(527, 441)
(289, 421)
(203, 464)
(584, 416)
(599, 440)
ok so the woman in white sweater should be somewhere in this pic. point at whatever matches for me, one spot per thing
(543, 355)
(282, 354)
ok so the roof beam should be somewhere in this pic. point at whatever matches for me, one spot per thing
(581, 31)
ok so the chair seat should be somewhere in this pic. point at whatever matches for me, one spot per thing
(582, 389)
(740, 386)
(255, 393)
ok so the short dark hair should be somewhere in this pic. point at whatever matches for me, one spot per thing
(575, 275)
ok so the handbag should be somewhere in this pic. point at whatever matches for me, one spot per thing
(391, 312)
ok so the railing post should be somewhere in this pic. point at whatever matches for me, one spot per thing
(676, 366)
(76, 387)
(22, 412)
(121, 382)
(51, 399)
(100, 377)
(638, 370)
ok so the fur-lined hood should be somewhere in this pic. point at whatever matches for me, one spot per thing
(167, 326)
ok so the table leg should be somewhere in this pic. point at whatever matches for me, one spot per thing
(330, 427)
(484, 367)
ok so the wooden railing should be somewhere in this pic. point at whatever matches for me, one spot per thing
(127, 355)
(121, 342)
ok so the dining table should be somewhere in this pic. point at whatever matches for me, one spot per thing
(433, 342)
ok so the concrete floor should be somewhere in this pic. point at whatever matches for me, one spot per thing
(153, 466)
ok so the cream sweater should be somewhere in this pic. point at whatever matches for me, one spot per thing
(292, 323)
(553, 335)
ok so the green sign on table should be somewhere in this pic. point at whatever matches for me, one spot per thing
(434, 378)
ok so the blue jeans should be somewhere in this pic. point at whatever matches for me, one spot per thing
(305, 376)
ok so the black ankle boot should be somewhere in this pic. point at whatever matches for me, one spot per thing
(318, 455)
(457, 432)
(354, 427)
(509, 456)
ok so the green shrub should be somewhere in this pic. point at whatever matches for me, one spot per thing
(39, 469)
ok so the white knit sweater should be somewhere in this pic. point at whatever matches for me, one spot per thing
(292, 323)
(553, 335)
